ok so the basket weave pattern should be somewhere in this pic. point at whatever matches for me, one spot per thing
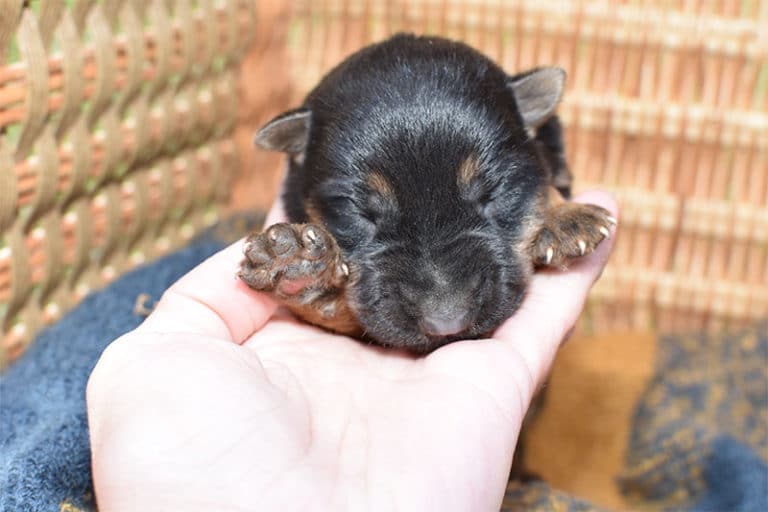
(116, 122)
(667, 107)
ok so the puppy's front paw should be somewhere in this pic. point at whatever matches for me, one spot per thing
(570, 230)
(289, 259)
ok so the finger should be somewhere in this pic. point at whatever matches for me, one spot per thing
(276, 213)
(211, 300)
(554, 302)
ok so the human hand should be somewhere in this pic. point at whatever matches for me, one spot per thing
(221, 401)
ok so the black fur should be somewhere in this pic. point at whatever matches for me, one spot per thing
(549, 141)
(413, 109)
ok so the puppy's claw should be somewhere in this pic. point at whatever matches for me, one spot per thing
(344, 269)
(611, 219)
(570, 230)
(311, 234)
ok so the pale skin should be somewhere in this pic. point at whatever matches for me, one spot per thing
(221, 401)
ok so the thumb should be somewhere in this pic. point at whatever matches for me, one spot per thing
(554, 302)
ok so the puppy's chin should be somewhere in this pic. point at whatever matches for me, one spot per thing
(390, 324)
(416, 344)
(386, 328)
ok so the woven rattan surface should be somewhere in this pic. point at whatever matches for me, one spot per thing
(667, 107)
(116, 141)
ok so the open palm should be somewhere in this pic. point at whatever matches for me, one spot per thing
(221, 401)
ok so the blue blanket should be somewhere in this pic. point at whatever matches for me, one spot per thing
(710, 455)
(699, 437)
(43, 427)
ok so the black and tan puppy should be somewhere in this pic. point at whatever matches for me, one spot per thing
(424, 186)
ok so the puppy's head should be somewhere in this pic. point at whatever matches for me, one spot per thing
(429, 179)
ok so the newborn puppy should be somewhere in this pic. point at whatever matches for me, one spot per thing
(424, 186)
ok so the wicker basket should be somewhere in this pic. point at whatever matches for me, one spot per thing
(116, 141)
(118, 138)
(667, 107)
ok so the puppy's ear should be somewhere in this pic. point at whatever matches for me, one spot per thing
(288, 132)
(537, 93)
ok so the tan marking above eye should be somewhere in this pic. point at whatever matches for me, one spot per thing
(468, 169)
(379, 184)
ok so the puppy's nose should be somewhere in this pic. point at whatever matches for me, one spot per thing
(441, 324)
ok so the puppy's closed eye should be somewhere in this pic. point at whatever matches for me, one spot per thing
(349, 218)
(478, 188)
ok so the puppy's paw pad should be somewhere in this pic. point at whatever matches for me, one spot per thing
(571, 230)
(315, 241)
(258, 279)
(289, 258)
(281, 240)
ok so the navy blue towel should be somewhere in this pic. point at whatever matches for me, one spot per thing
(700, 433)
(43, 428)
